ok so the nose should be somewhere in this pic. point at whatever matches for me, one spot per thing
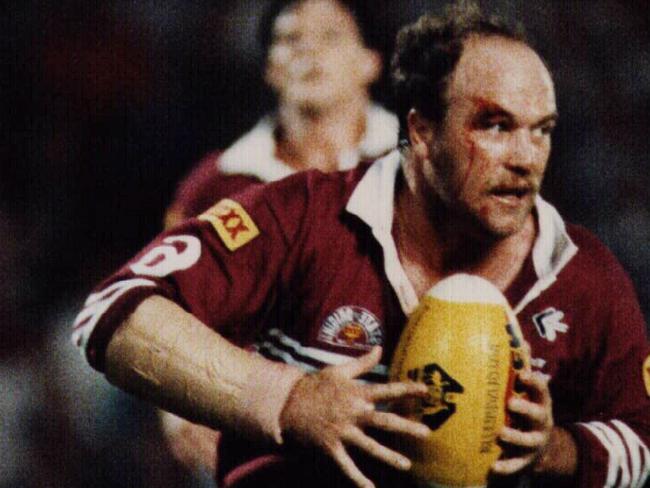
(308, 43)
(523, 152)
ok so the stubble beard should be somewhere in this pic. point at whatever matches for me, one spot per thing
(459, 220)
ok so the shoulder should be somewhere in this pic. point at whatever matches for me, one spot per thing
(597, 271)
(301, 202)
(204, 185)
(207, 172)
(593, 255)
(317, 189)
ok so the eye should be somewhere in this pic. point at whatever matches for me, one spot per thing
(496, 127)
(287, 37)
(493, 123)
(548, 129)
(545, 129)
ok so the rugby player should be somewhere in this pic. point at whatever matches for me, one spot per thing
(320, 271)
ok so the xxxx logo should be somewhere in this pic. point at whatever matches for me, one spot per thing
(439, 404)
(232, 223)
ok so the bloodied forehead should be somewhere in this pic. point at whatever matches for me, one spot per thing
(505, 73)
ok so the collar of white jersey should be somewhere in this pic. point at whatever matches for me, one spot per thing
(372, 201)
(254, 153)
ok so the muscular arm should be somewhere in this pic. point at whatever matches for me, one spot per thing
(165, 355)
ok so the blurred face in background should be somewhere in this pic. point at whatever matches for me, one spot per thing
(317, 58)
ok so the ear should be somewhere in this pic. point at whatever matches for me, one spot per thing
(421, 134)
(270, 75)
(371, 65)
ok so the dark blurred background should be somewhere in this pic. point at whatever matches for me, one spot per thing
(107, 104)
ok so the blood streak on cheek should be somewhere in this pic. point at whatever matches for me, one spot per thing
(484, 211)
(475, 167)
(471, 150)
(471, 160)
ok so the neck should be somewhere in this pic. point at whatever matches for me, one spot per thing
(433, 244)
(314, 138)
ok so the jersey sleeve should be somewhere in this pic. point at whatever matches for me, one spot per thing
(614, 436)
(221, 266)
(202, 188)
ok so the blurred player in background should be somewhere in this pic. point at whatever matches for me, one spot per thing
(320, 67)
(317, 270)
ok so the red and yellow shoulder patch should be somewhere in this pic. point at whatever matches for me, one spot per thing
(232, 223)
(646, 374)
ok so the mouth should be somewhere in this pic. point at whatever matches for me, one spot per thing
(305, 71)
(512, 195)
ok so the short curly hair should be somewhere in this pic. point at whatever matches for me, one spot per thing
(427, 52)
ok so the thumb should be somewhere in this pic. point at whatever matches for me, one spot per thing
(361, 365)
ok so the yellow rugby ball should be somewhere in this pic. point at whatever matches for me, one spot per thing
(464, 342)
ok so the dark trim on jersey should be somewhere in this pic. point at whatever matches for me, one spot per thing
(279, 347)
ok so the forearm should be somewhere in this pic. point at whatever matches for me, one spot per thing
(165, 355)
(560, 457)
(193, 445)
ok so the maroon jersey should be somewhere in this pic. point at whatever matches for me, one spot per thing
(306, 271)
(252, 159)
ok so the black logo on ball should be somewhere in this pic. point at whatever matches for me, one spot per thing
(439, 404)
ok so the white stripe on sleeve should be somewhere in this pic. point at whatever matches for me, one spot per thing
(616, 458)
(629, 458)
(326, 357)
(96, 306)
(639, 454)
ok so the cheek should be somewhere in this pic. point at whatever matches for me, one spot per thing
(279, 57)
(491, 150)
(471, 168)
(475, 161)
(340, 70)
(486, 156)
(542, 158)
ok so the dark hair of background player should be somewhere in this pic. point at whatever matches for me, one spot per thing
(359, 10)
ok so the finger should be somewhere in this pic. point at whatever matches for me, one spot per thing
(535, 412)
(391, 422)
(512, 465)
(345, 462)
(530, 440)
(394, 391)
(527, 349)
(537, 385)
(358, 438)
(361, 365)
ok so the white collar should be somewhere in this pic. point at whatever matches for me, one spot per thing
(372, 201)
(254, 153)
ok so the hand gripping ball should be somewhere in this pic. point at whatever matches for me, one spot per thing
(463, 341)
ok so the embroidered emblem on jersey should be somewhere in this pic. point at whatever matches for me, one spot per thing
(646, 375)
(549, 323)
(232, 223)
(440, 402)
(353, 327)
